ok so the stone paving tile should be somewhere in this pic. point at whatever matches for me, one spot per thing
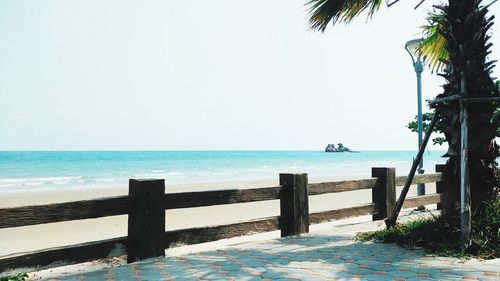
(309, 257)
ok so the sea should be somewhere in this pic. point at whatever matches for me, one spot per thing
(42, 171)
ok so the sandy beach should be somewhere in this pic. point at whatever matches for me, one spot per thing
(30, 238)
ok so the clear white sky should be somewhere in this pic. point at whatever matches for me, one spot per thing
(220, 74)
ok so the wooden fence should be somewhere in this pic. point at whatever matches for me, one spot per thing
(146, 204)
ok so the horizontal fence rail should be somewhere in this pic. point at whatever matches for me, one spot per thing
(147, 201)
(76, 210)
(341, 186)
(220, 197)
(422, 200)
(212, 233)
(422, 178)
(338, 214)
(66, 255)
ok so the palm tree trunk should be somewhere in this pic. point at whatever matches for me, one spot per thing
(465, 29)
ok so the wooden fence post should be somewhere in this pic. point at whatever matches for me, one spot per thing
(384, 192)
(146, 220)
(294, 204)
(440, 185)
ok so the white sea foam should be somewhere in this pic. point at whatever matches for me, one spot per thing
(33, 183)
(60, 182)
(157, 171)
(175, 173)
(150, 175)
(110, 180)
(37, 181)
(161, 175)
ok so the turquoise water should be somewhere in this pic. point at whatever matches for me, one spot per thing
(43, 171)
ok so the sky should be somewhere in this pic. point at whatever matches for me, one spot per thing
(206, 75)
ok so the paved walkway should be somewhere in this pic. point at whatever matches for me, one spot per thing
(318, 256)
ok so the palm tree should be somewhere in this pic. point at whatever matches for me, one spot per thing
(461, 28)
(465, 28)
(434, 43)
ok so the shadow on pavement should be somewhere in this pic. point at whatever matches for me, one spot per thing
(308, 257)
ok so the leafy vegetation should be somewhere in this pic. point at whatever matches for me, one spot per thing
(433, 47)
(17, 277)
(426, 119)
(322, 12)
(441, 235)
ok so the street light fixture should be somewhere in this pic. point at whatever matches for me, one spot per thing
(413, 48)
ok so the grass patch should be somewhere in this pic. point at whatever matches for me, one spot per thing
(17, 277)
(441, 235)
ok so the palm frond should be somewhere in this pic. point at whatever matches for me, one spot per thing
(322, 12)
(433, 47)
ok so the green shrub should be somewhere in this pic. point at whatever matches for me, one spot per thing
(441, 235)
(17, 277)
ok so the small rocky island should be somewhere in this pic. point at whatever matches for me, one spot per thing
(340, 148)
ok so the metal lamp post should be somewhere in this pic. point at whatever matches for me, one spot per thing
(412, 47)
